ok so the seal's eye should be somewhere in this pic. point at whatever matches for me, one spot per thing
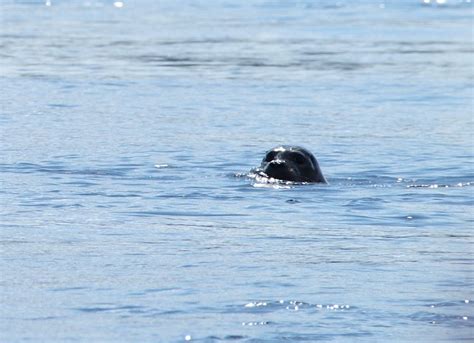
(270, 156)
(299, 159)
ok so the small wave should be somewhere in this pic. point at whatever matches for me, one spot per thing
(293, 305)
(182, 214)
(52, 168)
(387, 182)
(437, 318)
(261, 180)
(68, 289)
(452, 313)
(436, 185)
(451, 303)
(443, 3)
(127, 308)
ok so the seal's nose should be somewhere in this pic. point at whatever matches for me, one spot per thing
(279, 169)
(277, 163)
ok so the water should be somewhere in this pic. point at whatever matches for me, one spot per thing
(126, 128)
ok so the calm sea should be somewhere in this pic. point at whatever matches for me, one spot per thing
(127, 128)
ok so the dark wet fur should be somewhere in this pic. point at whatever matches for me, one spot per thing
(290, 163)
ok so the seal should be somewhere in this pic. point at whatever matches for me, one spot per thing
(291, 163)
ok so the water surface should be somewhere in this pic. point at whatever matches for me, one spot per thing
(125, 127)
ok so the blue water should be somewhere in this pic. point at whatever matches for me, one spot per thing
(127, 129)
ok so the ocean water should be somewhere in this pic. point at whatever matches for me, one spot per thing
(127, 129)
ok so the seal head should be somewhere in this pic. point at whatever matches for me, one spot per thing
(291, 163)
